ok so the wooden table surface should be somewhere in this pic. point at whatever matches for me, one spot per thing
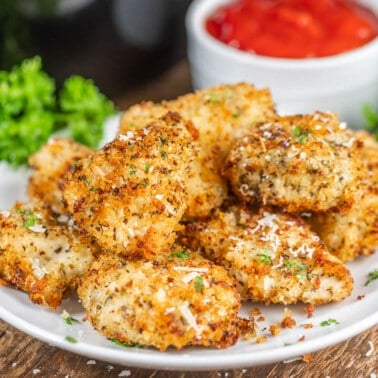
(24, 356)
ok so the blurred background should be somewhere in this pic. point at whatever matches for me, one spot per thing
(120, 44)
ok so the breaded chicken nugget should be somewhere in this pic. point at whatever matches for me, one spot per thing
(49, 164)
(218, 115)
(298, 163)
(355, 232)
(41, 256)
(274, 257)
(131, 194)
(161, 303)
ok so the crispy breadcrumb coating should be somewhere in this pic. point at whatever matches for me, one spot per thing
(41, 256)
(131, 194)
(161, 303)
(49, 164)
(355, 232)
(274, 257)
(298, 163)
(218, 115)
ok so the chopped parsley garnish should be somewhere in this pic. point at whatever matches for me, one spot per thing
(70, 339)
(147, 168)
(163, 154)
(132, 170)
(300, 135)
(372, 276)
(235, 115)
(328, 322)
(198, 283)
(179, 254)
(163, 141)
(264, 258)
(30, 220)
(84, 179)
(295, 266)
(70, 320)
(123, 344)
(213, 98)
(144, 183)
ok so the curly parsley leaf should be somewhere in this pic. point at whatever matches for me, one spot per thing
(83, 110)
(371, 119)
(30, 111)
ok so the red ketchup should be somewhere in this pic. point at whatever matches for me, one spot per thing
(293, 28)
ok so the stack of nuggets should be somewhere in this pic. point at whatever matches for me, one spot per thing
(173, 250)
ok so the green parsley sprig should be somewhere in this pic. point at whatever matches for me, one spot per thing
(30, 111)
(373, 275)
(264, 258)
(179, 255)
(329, 322)
(71, 339)
(123, 344)
(198, 283)
(300, 135)
(371, 119)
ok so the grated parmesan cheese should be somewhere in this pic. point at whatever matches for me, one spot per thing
(267, 221)
(38, 271)
(5, 213)
(190, 269)
(125, 138)
(38, 228)
(189, 317)
(170, 310)
(189, 277)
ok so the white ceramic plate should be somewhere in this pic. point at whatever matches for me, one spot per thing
(353, 315)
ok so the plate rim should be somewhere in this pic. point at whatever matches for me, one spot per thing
(184, 361)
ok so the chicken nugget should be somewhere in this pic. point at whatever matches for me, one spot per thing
(161, 303)
(298, 163)
(40, 256)
(348, 235)
(49, 164)
(131, 194)
(274, 257)
(218, 115)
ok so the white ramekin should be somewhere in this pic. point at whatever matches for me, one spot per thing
(342, 83)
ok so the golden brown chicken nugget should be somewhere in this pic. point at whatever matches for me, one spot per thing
(161, 303)
(355, 232)
(131, 194)
(49, 164)
(298, 163)
(218, 115)
(274, 257)
(41, 256)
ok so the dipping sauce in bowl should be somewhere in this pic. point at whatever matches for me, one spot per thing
(293, 28)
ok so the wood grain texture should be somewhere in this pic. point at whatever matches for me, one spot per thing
(24, 356)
